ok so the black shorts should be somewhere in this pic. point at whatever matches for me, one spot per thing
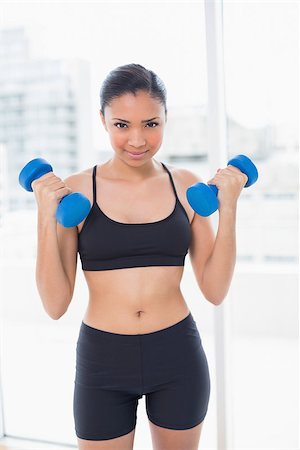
(113, 371)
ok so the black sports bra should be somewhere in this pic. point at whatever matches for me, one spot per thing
(105, 244)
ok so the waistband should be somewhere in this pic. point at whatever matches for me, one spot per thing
(186, 322)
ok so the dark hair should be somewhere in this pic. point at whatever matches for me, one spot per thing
(132, 78)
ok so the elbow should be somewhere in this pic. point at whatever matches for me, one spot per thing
(55, 316)
(214, 301)
(218, 302)
(210, 298)
(56, 313)
(213, 298)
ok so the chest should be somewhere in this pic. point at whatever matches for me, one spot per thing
(144, 202)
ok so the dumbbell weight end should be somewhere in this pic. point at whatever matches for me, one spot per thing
(72, 209)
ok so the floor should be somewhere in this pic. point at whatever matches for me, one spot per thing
(19, 444)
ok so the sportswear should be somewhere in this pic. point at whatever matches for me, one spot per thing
(113, 371)
(105, 244)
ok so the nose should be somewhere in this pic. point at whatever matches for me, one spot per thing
(136, 139)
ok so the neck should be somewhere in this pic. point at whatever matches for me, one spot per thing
(120, 169)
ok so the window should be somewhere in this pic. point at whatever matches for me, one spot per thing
(261, 85)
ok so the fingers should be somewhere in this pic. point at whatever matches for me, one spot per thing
(230, 171)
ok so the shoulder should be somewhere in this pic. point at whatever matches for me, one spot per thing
(81, 181)
(79, 177)
(185, 177)
(189, 176)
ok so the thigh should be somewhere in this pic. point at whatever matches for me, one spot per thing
(166, 439)
(179, 394)
(107, 387)
(101, 414)
(121, 443)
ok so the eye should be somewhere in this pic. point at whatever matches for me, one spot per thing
(155, 123)
(121, 123)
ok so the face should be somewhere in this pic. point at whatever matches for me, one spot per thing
(130, 130)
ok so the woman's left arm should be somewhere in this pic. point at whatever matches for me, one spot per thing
(219, 268)
(213, 260)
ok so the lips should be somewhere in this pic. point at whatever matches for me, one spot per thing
(132, 153)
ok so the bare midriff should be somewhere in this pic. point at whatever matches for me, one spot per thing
(135, 300)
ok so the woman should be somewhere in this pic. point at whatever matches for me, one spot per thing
(138, 336)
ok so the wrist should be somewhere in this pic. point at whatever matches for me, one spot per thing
(46, 220)
(228, 209)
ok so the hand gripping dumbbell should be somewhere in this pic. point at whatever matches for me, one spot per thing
(72, 209)
(203, 197)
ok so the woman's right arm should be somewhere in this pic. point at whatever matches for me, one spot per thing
(56, 247)
(56, 266)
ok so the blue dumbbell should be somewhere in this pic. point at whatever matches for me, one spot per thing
(72, 209)
(203, 197)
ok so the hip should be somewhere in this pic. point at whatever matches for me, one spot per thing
(175, 351)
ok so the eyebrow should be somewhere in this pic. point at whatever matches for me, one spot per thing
(127, 121)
